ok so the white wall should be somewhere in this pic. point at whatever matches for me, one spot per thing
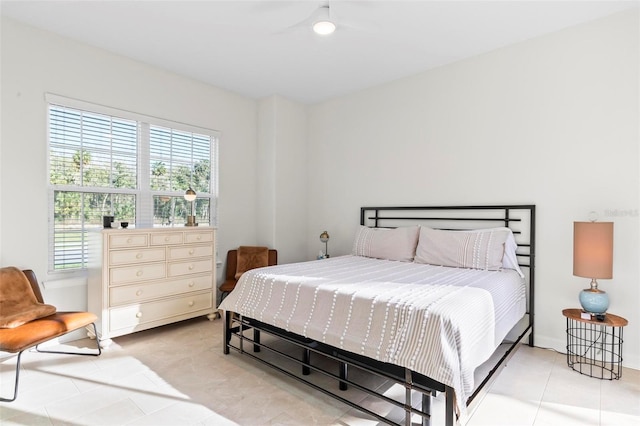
(282, 177)
(552, 121)
(35, 62)
(266, 173)
(291, 181)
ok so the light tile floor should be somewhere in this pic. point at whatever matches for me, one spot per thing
(178, 375)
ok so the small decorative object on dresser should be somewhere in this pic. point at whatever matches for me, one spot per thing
(106, 221)
(594, 347)
(144, 278)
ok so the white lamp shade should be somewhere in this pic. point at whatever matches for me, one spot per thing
(190, 195)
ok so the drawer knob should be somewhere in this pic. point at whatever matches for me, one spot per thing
(199, 237)
(139, 256)
(139, 273)
(139, 292)
(191, 284)
(191, 303)
(190, 267)
(191, 251)
(166, 238)
(128, 240)
(139, 315)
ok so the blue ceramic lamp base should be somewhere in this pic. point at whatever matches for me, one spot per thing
(594, 301)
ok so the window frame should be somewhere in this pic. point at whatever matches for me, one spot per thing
(143, 193)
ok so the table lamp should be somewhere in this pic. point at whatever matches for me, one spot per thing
(324, 237)
(190, 196)
(593, 258)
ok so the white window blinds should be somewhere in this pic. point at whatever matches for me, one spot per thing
(122, 165)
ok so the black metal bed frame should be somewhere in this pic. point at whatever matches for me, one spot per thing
(519, 218)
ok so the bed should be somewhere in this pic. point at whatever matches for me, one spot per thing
(427, 295)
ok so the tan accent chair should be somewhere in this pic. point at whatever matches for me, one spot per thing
(232, 264)
(37, 331)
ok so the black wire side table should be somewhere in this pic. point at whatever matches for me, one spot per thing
(594, 348)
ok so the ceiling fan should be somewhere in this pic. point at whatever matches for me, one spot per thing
(320, 21)
(323, 21)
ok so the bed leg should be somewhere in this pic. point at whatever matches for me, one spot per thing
(426, 408)
(408, 385)
(343, 375)
(226, 332)
(449, 406)
(256, 339)
(306, 359)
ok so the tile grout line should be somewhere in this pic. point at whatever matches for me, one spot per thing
(553, 366)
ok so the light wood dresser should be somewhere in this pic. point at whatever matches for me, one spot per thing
(144, 278)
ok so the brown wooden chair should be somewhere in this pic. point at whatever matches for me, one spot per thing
(37, 331)
(232, 264)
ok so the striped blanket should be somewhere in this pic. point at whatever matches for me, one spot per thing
(438, 321)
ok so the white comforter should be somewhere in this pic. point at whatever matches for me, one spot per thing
(438, 321)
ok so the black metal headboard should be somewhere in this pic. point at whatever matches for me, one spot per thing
(521, 219)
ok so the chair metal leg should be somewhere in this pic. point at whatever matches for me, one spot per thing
(15, 388)
(76, 353)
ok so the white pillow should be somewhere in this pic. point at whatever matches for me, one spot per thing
(383, 243)
(510, 259)
(477, 249)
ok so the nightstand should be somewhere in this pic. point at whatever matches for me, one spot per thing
(594, 348)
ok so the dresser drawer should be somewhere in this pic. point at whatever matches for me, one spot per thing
(198, 237)
(126, 240)
(135, 293)
(129, 274)
(121, 257)
(166, 238)
(175, 269)
(131, 316)
(187, 252)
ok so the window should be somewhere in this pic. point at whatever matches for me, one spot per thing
(136, 168)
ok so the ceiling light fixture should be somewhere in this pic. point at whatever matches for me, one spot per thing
(323, 25)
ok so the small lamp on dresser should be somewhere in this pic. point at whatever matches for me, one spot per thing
(190, 196)
(593, 258)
